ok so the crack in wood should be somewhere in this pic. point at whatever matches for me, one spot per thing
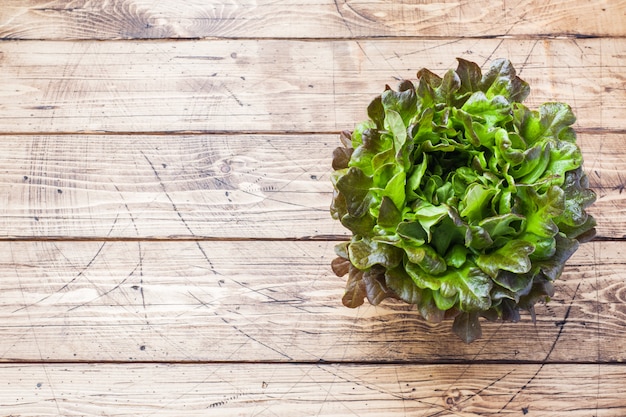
(561, 326)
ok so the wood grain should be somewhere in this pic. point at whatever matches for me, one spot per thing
(133, 19)
(276, 85)
(324, 390)
(242, 186)
(209, 186)
(271, 301)
(164, 232)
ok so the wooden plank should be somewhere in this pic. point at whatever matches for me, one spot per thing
(605, 165)
(245, 186)
(124, 19)
(275, 85)
(270, 301)
(313, 389)
(209, 186)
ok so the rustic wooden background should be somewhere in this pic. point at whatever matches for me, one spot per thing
(164, 231)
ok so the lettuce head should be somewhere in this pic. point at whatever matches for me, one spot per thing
(460, 199)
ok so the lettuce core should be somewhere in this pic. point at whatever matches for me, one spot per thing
(460, 199)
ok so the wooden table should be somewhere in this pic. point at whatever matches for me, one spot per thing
(165, 235)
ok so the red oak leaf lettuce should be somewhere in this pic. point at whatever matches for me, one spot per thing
(460, 199)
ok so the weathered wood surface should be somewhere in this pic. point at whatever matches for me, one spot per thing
(225, 186)
(132, 19)
(276, 85)
(164, 231)
(313, 389)
(271, 301)
(210, 186)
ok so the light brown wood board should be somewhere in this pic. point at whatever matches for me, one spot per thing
(164, 230)
(292, 390)
(271, 301)
(132, 19)
(277, 85)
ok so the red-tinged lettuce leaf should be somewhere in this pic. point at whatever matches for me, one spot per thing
(536, 170)
(564, 157)
(345, 136)
(355, 187)
(375, 287)
(541, 291)
(429, 79)
(477, 238)
(574, 220)
(359, 226)
(467, 122)
(338, 206)
(360, 132)
(355, 293)
(514, 282)
(470, 76)
(512, 257)
(402, 102)
(583, 233)
(467, 327)
(510, 148)
(340, 266)
(509, 311)
(388, 215)
(428, 308)
(545, 246)
(499, 293)
(532, 158)
(376, 112)
(502, 80)
(413, 232)
(402, 285)
(341, 157)
(468, 286)
(450, 84)
(552, 268)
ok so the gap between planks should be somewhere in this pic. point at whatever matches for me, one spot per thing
(583, 130)
(178, 238)
(522, 37)
(183, 238)
(463, 361)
